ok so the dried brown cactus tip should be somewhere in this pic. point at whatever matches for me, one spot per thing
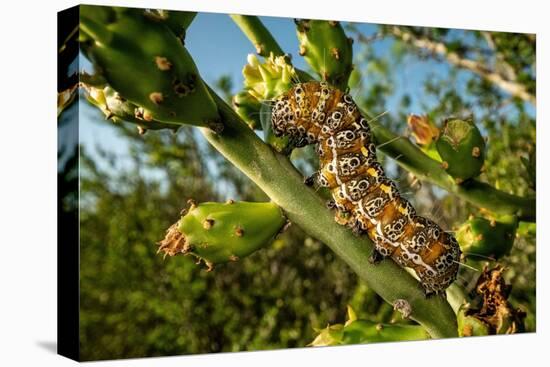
(192, 204)
(174, 242)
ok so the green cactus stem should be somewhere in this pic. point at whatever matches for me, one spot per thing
(153, 71)
(462, 149)
(118, 109)
(258, 34)
(326, 48)
(495, 314)
(260, 37)
(356, 331)
(481, 194)
(177, 21)
(248, 108)
(303, 206)
(220, 232)
(481, 237)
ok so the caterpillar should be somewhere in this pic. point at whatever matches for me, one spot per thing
(365, 199)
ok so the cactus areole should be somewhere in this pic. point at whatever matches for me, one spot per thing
(153, 71)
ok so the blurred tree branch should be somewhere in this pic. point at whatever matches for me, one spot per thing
(505, 78)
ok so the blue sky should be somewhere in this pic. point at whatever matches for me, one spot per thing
(219, 48)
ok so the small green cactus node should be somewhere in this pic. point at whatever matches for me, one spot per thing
(462, 147)
(358, 331)
(153, 71)
(248, 108)
(267, 80)
(482, 238)
(495, 315)
(470, 325)
(221, 232)
(117, 108)
(326, 48)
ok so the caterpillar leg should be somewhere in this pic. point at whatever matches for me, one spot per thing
(297, 141)
(429, 293)
(357, 228)
(376, 257)
(331, 204)
(310, 180)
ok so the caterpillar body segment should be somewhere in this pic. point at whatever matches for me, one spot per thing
(365, 199)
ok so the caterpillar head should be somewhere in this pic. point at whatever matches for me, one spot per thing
(282, 116)
(444, 268)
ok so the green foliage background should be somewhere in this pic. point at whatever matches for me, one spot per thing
(134, 303)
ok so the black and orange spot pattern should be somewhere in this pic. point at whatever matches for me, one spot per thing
(365, 199)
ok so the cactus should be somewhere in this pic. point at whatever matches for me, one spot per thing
(269, 79)
(265, 81)
(357, 331)
(482, 237)
(470, 325)
(177, 21)
(425, 133)
(220, 232)
(326, 48)
(274, 174)
(462, 149)
(262, 39)
(153, 71)
(495, 315)
(117, 109)
(248, 108)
